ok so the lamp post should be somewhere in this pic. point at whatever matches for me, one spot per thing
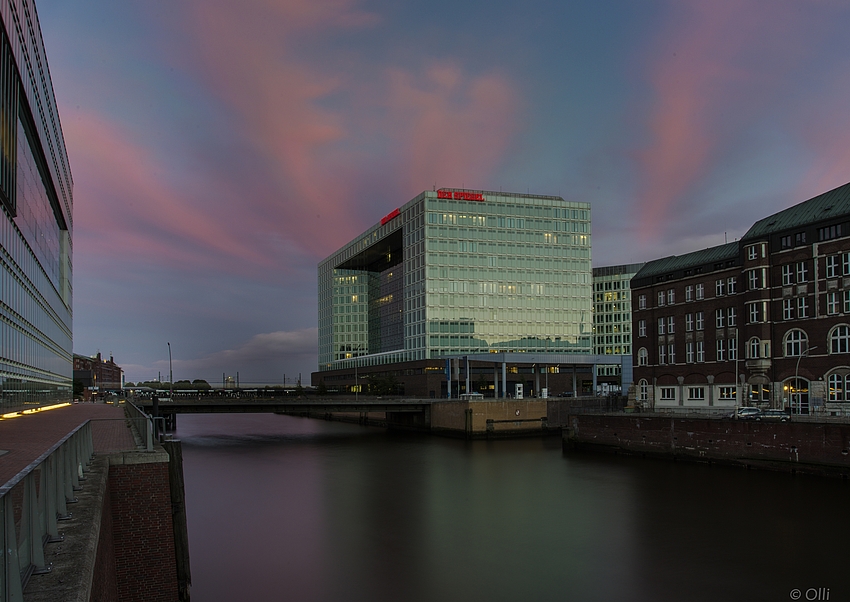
(170, 376)
(355, 379)
(797, 377)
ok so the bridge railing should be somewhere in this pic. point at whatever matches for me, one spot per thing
(31, 504)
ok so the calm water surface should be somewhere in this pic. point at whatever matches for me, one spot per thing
(283, 508)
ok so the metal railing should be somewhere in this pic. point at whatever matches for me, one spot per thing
(142, 424)
(31, 504)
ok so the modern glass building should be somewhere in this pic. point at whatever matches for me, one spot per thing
(35, 230)
(612, 320)
(457, 272)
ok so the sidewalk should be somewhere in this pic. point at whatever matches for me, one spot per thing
(26, 437)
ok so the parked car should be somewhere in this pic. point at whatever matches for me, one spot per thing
(779, 415)
(746, 414)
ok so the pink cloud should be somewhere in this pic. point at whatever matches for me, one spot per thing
(454, 129)
(431, 123)
(715, 67)
(127, 209)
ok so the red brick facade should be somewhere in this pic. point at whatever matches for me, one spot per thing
(773, 308)
(142, 531)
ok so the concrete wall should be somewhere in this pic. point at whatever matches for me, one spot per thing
(489, 418)
(797, 446)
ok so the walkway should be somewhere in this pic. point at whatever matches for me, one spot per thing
(26, 437)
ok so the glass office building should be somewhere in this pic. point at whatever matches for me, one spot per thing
(456, 272)
(36, 363)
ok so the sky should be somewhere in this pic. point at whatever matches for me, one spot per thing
(221, 149)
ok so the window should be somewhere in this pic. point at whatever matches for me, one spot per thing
(642, 357)
(785, 242)
(661, 323)
(671, 352)
(700, 291)
(755, 279)
(721, 350)
(787, 309)
(671, 325)
(847, 302)
(662, 354)
(660, 298)
(845, 263)
(802, 272)
(839, 340)
(720, 318)
(732, 314)
(732, 346)
(838, 387)
(642, 302)
(642, 328)
(728, 393)
(720, 287)
(668, 393)
(829, 232)
(732, 285)
(689, 353)
(671, 296)
(787, 274)
(832, 303)
(800, 238)
(689, 293)
(689, 322)
(832, 266)
(700, 320)
(796, 343)
(753, 348)
(700, 351)
(802, 307)
(753, 309)
(752, 252)
(696, 393)
(643, 387)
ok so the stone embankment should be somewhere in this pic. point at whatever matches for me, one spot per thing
(806, 447)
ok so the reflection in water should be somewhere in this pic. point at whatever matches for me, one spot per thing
(297, 509)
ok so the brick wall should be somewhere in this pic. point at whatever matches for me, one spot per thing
(104, 586)
(142, 531)
(795, 446)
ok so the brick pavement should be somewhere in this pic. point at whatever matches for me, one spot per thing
(26, 437)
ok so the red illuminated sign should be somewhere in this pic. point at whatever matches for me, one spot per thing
(460, 196)
(390, 216)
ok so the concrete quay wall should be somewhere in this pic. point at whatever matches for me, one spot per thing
(492, 418)
(811, 447)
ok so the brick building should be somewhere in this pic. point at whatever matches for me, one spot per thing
(98, 375)
(772, 308)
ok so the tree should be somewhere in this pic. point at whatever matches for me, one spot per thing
(322, 389)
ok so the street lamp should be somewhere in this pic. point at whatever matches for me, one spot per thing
(170, 376)
(797, 377)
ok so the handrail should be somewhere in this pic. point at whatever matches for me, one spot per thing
(39, 506)
(141, 418)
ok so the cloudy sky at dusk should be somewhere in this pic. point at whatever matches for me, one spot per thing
(220, 148)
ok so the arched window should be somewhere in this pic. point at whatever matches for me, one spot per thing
(838, 387)
(753, 346)
(643, 358)
(796, 343)
(839, 339)
(643, 389)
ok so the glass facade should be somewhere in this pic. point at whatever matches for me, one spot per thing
(457, 272)
(36, 363)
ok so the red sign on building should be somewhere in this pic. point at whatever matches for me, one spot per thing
(460, 195)
(390, 216)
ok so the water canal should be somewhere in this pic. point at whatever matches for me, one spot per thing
(283, 508)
